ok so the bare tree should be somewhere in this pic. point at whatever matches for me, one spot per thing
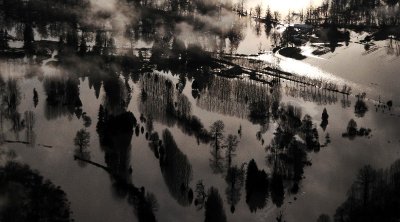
(258, 10)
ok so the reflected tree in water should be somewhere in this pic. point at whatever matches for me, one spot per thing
(115, 134)
(360, 107)
(312, 93)
(325, 117)
(352, 130)
(35, 97)
(240, 98)
(217, 136)
(231, 143)
(201, 195)
(29, 125)
(324, 218)
(257, 187)
(155, 143)
(235, 181)
(176, 170)
(117, 96)
(214, 207)
(163, 104)
(62, 97)
(259, 111)
(309, 133)
(287, 154)
(277, 189)
(10, 94)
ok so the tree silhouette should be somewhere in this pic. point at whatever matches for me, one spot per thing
(235, 180)
(214, 207)
(28, 37)
(201, 195)
(360, 107)
(31, 197)
(325, 117)
(277, 189)
(373, 196)
(256, 187)
(352, 128)
(35, 97)
(230, 145)
(29, 125)
(216, 133)
(324, 218)
(82, 139)
(82, 142)
(176, 170)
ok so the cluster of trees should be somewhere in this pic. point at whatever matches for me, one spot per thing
(286, 155)
(30, 197)
(184, 7)
(355, 13)
(164, 103)
(44, 10)
(257, 187)
(269, 17)
(62, 97)
(76, 28)
(313, 94)
(374, 196)
(352, 130)
(241, 98)
(10, 116)
(360, 108)
(176, 170)
(218, 143)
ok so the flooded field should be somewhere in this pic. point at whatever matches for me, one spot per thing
(169, 123)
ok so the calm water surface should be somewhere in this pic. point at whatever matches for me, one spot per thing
(91, 191)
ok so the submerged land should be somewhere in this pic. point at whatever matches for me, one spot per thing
(130, 110)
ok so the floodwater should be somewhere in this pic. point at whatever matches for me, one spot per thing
(372, 70)
(93, 195)
(153, 147)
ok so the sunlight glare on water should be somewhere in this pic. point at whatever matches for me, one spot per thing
(303, 69)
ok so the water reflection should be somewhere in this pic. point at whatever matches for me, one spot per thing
(287, 155)
(235, 180)
(257, 187)
(115, 134)
(145, 68)
(216, 160)
(62, 97)
(176, 170)
(214, 208)
(235, 98)
(10, 117)
(160, 101)
(81, 142)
